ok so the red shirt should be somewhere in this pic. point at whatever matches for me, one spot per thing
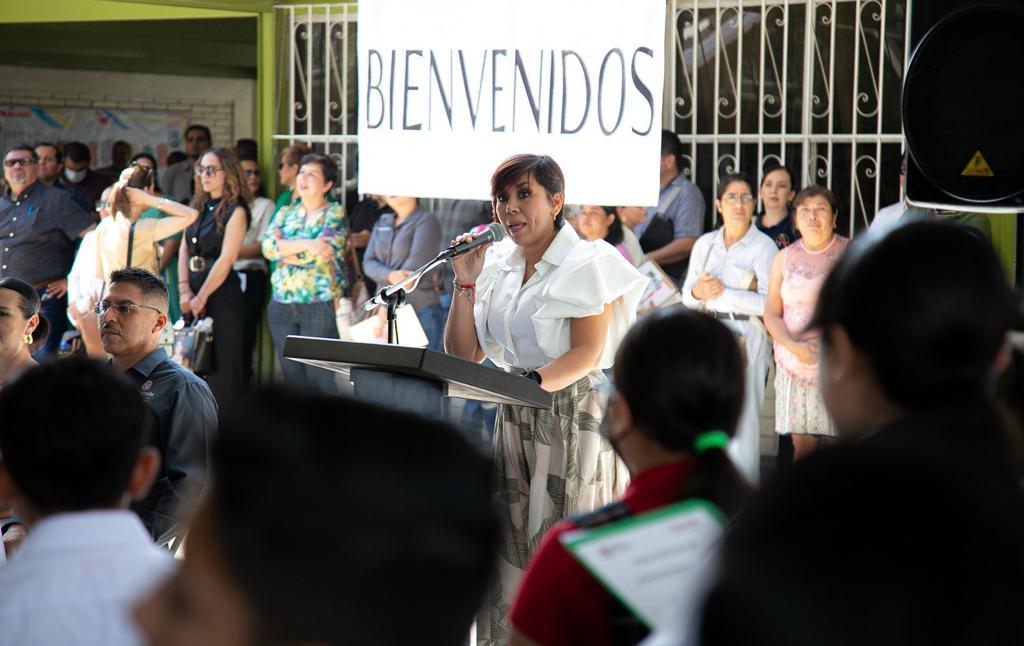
(558, 601)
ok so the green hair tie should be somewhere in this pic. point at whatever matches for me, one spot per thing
(711, 440)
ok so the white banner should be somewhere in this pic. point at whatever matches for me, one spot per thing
(450, 88)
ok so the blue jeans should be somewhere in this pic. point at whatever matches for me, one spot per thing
(55, 310)
(433, 325)
(305, 319)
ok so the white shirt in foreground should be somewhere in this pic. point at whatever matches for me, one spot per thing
(527, 326)
(76, 578)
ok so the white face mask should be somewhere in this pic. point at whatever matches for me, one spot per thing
(75, 176)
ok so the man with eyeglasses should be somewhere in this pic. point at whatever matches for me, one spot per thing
(177, 179)
(182, 409)
(39, 226)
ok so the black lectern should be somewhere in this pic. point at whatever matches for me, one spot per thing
(414, 379)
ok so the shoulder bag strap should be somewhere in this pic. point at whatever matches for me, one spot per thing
(131, 242)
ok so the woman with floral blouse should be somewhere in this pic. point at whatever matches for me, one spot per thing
(307, 241)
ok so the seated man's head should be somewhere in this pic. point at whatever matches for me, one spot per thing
(132, 313)
(380, 513)
(87, 452)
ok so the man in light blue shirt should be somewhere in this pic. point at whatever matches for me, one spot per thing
(682, 204)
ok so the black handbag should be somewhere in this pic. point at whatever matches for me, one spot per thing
(193, 347)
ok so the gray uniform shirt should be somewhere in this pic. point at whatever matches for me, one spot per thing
(409, 246)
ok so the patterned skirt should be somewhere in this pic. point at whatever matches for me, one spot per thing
(799, 407)
(549, 465)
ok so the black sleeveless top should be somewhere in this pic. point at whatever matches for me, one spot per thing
(203, 237)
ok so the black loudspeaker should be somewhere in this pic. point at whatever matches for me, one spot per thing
(963, 105)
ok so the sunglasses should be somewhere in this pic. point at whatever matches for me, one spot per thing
(124, 308)
(252, 172)
(208, 171)
(23, 162)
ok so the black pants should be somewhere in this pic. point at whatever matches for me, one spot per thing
(225, 307)
(254, 300)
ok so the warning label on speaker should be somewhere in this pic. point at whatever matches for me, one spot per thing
(978, 167)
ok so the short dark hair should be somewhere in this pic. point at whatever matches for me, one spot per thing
(246, 149)
(681, 372)
(204, 129)
(539, 168)
(670, 145)
(723, 184)
(326, 164)
(814, 190)
(928, 304)
(49, 144)
(77, 152)
(29, 304)
(151, 286)
(374, 523)
(21, 147)
(78, 455)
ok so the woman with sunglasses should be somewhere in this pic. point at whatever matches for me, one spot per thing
(251, 266)
(728, 280)
(126, 239)
(209, 286)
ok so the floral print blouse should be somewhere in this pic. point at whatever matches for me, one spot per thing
(307, 277)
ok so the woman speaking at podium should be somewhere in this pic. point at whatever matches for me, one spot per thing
(547, 305)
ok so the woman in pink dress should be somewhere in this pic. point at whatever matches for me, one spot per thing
(798, 273)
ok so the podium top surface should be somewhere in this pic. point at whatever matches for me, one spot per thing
(461, 378)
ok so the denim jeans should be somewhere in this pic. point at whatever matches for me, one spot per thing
(433, 325)
(55, 310)
(305, 319)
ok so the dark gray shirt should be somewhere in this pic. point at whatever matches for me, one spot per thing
(458, 217)
(413, 244)
(38, 231)
(183, 413)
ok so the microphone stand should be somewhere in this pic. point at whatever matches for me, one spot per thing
(394, 295)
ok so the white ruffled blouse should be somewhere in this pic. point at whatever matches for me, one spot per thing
(528, 326)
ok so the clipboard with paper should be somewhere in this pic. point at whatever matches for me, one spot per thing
(654, 563)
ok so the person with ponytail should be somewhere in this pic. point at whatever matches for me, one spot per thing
(127, 239)
(677, 400)
(22, 328)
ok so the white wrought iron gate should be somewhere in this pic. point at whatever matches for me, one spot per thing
(812, 84)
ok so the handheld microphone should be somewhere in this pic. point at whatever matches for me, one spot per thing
(493, 233)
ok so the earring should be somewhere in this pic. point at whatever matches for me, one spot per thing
(28, 339)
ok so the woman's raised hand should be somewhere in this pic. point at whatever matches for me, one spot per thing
(468, 266)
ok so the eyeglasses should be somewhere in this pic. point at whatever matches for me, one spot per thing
(820, 211)
(124, 308)
(252, 172)
(732, 199)
(23, 162)
(209, 171)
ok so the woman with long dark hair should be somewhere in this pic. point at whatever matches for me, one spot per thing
(209, 286)
(551, 307)
(677, 401)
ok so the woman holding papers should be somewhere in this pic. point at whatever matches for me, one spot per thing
(547, 305)
(728, 280)
(677, 401)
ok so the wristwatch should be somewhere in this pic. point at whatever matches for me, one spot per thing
(533, 374)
